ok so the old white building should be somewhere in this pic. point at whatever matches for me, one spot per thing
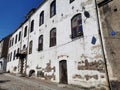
(59, 41)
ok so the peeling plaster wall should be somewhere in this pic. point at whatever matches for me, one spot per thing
(74, 52)
(85, 64)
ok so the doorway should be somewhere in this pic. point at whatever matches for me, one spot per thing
(63, 72)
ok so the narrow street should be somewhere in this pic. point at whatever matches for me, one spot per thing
(11, 82)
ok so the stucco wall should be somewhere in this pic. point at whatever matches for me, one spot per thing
(85, 64)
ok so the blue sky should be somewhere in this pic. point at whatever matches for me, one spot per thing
(12, 14)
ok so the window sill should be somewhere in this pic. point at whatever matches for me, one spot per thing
(77, 37)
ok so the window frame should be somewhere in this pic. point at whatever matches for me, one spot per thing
(77, 30)
(19, 38)
(53, 8)
(30, 46)
(41, 18)
(53, 37)
(16, 38)
(14, 55)
(32, 26)
(25, 31)
(40, 43)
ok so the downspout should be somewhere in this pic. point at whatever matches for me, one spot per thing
(103, 50)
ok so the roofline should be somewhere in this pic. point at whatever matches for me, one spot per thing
(40, 5)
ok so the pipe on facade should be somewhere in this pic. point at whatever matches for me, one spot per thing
(101, 39)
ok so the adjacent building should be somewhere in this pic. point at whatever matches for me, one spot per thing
(60, 41)
(110, 21)
(4, 46)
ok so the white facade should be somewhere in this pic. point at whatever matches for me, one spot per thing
(82, 61)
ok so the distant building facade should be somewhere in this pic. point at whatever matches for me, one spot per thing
(60, 42)
(4, 46)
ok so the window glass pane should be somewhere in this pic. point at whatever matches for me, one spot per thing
(76, 24)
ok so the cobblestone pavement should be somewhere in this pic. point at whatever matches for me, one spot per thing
(12, 82)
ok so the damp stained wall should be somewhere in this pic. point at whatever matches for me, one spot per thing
(83, 55)
(110, 21)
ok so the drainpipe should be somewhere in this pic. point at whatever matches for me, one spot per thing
(101, 39)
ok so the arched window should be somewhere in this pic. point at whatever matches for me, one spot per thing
(25, 31)
(41, 18)
(76, 26)
(40, 43)
(30, 46)
(53, 8)
(32, 26)
(53, 37)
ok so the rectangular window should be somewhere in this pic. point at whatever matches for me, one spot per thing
(25, 31)
(30, 47)
(10, 56)
(19, 36)
(14, 55)
(12, 41)
(15, 39)
(32, 26)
